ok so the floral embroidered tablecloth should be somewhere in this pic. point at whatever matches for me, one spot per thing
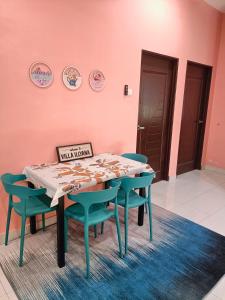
(62, 178)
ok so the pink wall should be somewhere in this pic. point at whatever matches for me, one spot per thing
(108, 35)
(216, 140)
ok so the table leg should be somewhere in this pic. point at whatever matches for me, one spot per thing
(106, 184)
(141, 209)
(60, 233)
(33, 229)
(141, 215)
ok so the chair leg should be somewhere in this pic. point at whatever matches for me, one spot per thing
(65, 233)
(7, 225)
(118, 234)
(126, 229)
(146, 208)
(102, 227)
(23, 225)
(86, 241)
(95, 230)
(150, 219)
(43, 222)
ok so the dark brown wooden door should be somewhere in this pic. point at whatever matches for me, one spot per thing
(156, 110)
(193, 117)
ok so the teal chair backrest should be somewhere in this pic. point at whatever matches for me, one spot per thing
(136, 156)
(22, 192)
(145, 180)
(87, 199)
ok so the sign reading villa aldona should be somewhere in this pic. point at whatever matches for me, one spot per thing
(72, 152)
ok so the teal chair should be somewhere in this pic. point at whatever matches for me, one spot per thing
(31, 202)
(129, 198)
(138, 157)
(91, 209)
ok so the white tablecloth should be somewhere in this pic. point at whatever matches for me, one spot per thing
(61, 178)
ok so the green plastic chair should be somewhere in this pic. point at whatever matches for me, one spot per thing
(32, 202)
(141, 158)
(91, 209)
(128, 198)
(136, 156)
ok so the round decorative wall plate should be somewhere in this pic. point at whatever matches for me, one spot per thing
(41, 74)
(97, 80)
(71, 78)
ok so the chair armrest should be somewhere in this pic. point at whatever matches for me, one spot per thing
(20, 177)
(71, 197)
(16, 177)
(115, 181)
(37, 192)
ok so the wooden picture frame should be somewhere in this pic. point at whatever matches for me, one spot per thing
(73, 152)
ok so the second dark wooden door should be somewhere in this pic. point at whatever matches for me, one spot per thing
(155, 111)
(193, 117)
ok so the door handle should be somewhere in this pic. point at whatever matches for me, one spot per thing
(140, 127)
(200, 121)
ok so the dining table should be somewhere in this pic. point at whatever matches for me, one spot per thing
(61, 178)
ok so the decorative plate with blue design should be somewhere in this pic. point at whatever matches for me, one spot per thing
(71, 78)
(41, 74)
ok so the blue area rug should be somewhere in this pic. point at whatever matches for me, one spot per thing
(184, 261)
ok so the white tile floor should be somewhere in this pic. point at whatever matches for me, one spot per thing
(198, 196)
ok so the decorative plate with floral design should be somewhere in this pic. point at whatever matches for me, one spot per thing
(71, 78)
(97, 80)
(41, 74)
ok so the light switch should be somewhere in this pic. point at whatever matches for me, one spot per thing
(130, 92)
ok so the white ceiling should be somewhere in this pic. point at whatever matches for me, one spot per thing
(218, 4)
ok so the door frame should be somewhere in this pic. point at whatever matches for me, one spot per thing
(175, 62)
(204, 108)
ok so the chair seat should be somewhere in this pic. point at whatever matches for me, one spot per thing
(134, 199)
(98, 213)
(35, 205)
